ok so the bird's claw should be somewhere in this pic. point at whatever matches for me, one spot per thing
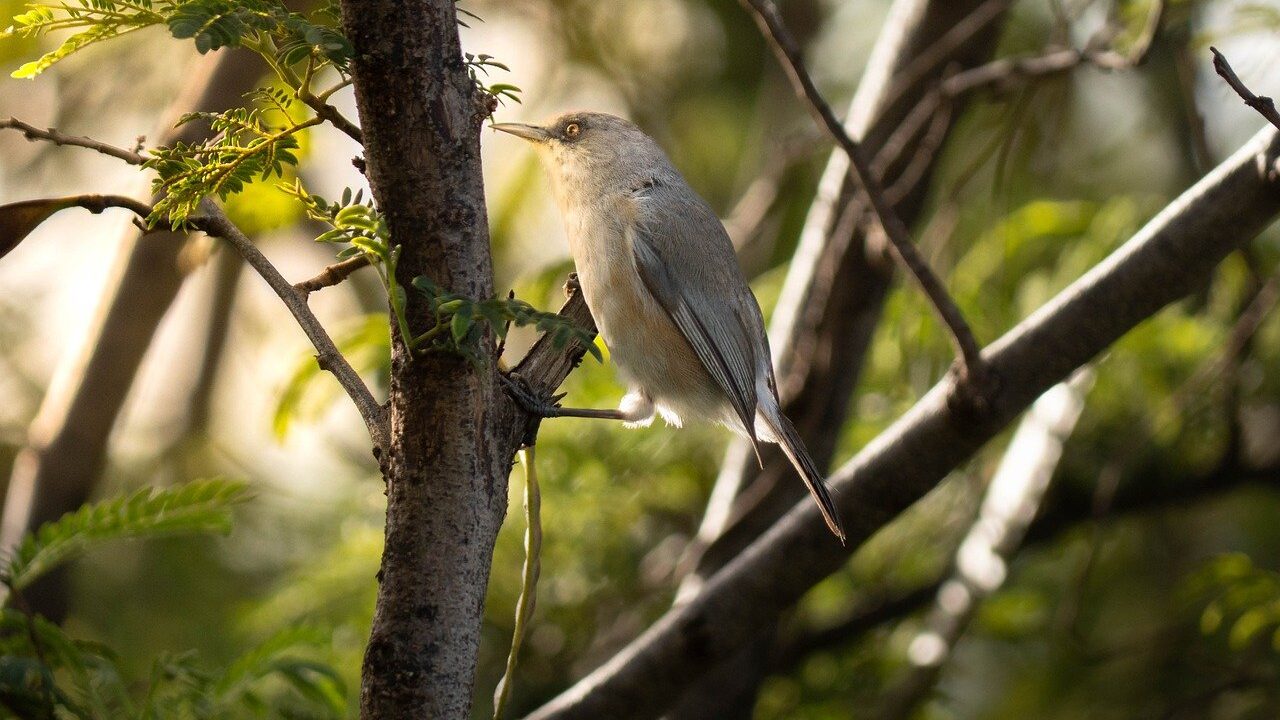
(541, 406)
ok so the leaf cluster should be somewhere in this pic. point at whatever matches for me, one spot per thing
(355, 221)
(201, 506)
(211, 24)
(247, 143)
(45, 673)
(478, 65)
(460, 321)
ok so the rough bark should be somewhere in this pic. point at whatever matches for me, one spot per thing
(66, 446)
(1168, 259)
(446, 477)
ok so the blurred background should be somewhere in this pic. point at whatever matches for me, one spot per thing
(1150, 594)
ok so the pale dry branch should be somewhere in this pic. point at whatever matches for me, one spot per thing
(1012, 500)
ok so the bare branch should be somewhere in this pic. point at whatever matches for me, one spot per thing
(1263, 104)
(1168, 259)
(1012, 500)
(51, 135)
(788, 52)
(331, 275)
(213, 221)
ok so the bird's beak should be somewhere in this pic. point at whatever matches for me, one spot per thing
(532, 133)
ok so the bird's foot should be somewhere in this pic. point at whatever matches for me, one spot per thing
(528, 399)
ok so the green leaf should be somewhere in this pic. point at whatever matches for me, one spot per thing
(197, 507)
(284, 655)
(79, 41)
(1248, 627)
(460, 325)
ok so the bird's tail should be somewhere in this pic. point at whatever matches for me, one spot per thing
(791, 444)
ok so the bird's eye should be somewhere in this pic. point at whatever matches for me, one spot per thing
(572, 129)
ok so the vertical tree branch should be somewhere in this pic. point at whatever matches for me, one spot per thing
(446, 473)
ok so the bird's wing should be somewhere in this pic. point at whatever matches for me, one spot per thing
(684, 258)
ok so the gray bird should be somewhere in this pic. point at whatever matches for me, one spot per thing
(661, 279)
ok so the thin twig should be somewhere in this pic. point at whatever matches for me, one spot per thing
(788, 52)
(937, 52)
(1005, 73)
(214, 221)
(51, 135)
(331, 275)
(1263, 104)
(318, 103)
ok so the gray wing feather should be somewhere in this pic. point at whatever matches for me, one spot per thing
(685, 259)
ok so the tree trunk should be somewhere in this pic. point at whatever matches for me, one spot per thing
(446, 479)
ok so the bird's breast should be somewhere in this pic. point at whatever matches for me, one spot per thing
(643, 341)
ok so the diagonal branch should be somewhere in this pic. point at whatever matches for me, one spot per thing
(1168, 259)
(788, 52)
(325, 111)
(214, 221)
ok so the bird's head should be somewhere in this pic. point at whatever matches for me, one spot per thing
(593, 152)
